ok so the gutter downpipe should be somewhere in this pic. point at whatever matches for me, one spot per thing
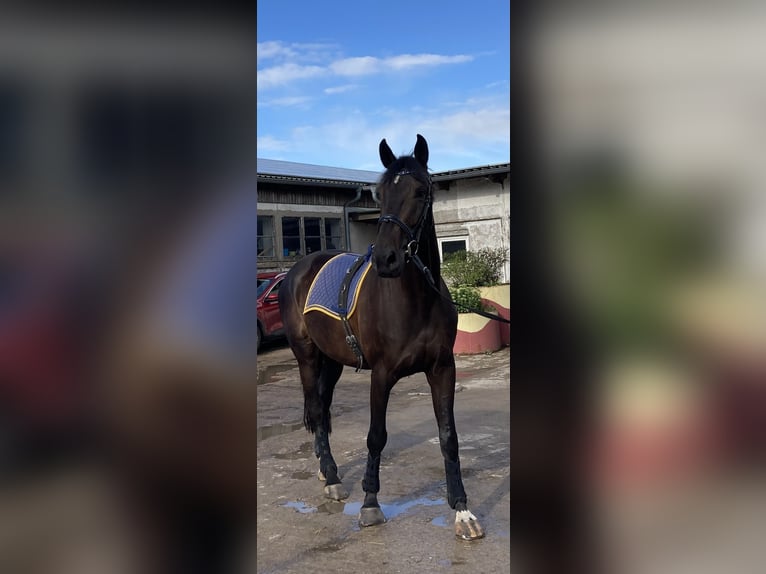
(345, 215)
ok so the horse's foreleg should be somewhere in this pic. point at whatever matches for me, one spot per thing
(380, 389)
(442, 382)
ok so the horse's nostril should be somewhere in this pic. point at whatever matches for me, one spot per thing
(391, 259)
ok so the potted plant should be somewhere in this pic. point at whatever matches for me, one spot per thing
(473, 278)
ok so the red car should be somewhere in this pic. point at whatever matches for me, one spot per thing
(45, 337)
(269, 316)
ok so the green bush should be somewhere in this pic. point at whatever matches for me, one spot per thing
(466, 297)
(480, 268)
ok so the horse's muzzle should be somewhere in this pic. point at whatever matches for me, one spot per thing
(388, 262)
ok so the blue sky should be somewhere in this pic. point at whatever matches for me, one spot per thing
(335, 78)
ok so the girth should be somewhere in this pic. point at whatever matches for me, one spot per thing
(351, 339)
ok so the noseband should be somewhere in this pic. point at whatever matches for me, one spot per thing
(413, 234)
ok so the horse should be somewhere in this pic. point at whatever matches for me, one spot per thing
(404, 322)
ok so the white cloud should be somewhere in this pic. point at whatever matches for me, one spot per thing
(413, 60)
(291, 63)
(294, 52)
(340, 89)
(273, 50)
(470, 129)
(271, 144)
(365, 65)
(475, 135)
(286, 73)
(356, 66)
(285, 102)
(473, 132)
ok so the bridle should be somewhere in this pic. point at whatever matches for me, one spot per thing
(411, 250)
(413, 233)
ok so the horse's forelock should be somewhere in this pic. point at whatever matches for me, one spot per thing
(405, 163)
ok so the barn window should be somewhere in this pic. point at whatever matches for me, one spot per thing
(265, 244)
(291, 236)
(332, 233)
(303, 235)
(312, 227)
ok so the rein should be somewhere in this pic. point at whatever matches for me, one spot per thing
(432, 283)
(411, 250)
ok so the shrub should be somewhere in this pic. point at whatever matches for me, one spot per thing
(474, 268)
(466, 297)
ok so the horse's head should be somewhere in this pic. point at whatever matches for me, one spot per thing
(405, 204)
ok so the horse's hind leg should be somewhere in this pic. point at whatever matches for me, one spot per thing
(441, 379)
(318, 378)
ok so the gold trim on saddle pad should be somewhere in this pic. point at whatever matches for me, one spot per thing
(356, 285)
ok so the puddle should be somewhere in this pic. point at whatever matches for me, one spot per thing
(304, 451)
(394, 510)
(269, 374)
(352, 508)
(302, 475)
(331, 507)
(301, 507)
(269, 431)
(448, 562)
(465, 438)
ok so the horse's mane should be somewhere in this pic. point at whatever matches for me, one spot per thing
(405, 163)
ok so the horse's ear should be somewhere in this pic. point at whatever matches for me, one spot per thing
(386, 155)
(421, 151)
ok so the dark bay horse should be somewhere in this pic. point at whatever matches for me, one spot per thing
(404, 322)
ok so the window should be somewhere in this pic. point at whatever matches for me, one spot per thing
(332, 234)
(452, 245)
(275, 290)
(291, 236)
(304, 235)
(312, 227)
(265, 246)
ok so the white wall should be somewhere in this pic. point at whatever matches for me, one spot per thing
(477, 210)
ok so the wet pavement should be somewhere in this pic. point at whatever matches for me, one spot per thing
(299, 530)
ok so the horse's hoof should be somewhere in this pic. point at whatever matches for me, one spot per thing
(371, 516)
(467, 527)
(321, 476)
(335, 491)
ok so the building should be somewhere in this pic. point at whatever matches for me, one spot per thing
(304, 208)
(472, 209)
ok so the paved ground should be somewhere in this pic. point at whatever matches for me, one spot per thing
(65, 519)
(298, 530)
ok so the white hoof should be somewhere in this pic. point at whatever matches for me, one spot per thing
(467, 526)
(336, 492)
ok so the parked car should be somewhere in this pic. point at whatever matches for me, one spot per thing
(269, 317)
(45, 339)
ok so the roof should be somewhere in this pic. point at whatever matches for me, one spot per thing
(480, 171)
(305, 173)
(294, 172)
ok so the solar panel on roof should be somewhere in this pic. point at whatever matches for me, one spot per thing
(305, 170)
